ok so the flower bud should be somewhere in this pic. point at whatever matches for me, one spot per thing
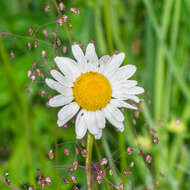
(75, 164)
(66, 151)
(129, 150)
(74, 179)
(46, 8)
(99, 179)
(61, 6)
(48, 180)
(51, 154)
(84, 152)
(104, 161)
(148, 159)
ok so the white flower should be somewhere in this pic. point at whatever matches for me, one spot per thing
(94, 89)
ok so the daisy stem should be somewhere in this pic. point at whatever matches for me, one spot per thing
(90, 139)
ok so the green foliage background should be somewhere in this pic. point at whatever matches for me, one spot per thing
(154, 34)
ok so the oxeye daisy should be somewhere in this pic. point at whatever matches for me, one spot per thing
(92, 89)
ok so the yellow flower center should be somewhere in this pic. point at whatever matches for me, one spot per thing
(92, 91)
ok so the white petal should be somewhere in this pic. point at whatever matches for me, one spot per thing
(120, 103)
(126, 71)
(60, 100)
(133, 98)
(69, 69)
(115, 112)
(67, 91)
(112, 120)
(127, 97)
(91, 122)
(123, 86)
(99, 135)
(80, 126)
(78, 54)
(117, 60)
(103, 61)
(61, 79)
(67, 113)
(100, 118)
(90, 54)
(64, 60)
(135, 90)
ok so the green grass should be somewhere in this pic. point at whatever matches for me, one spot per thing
(154, 35)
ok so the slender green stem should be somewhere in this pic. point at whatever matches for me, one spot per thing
(160, 61)
(56, 156)
(64, 24)
(107, 23)
(180, 80)
(174, 37)
(90, 139)
(116, 178)
(17, 92)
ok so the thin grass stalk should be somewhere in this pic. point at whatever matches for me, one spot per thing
(160, 59)
(180, 80)
(90, 139)
(174, 35)
(116, 178)
(108, 27)
(21, 99)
